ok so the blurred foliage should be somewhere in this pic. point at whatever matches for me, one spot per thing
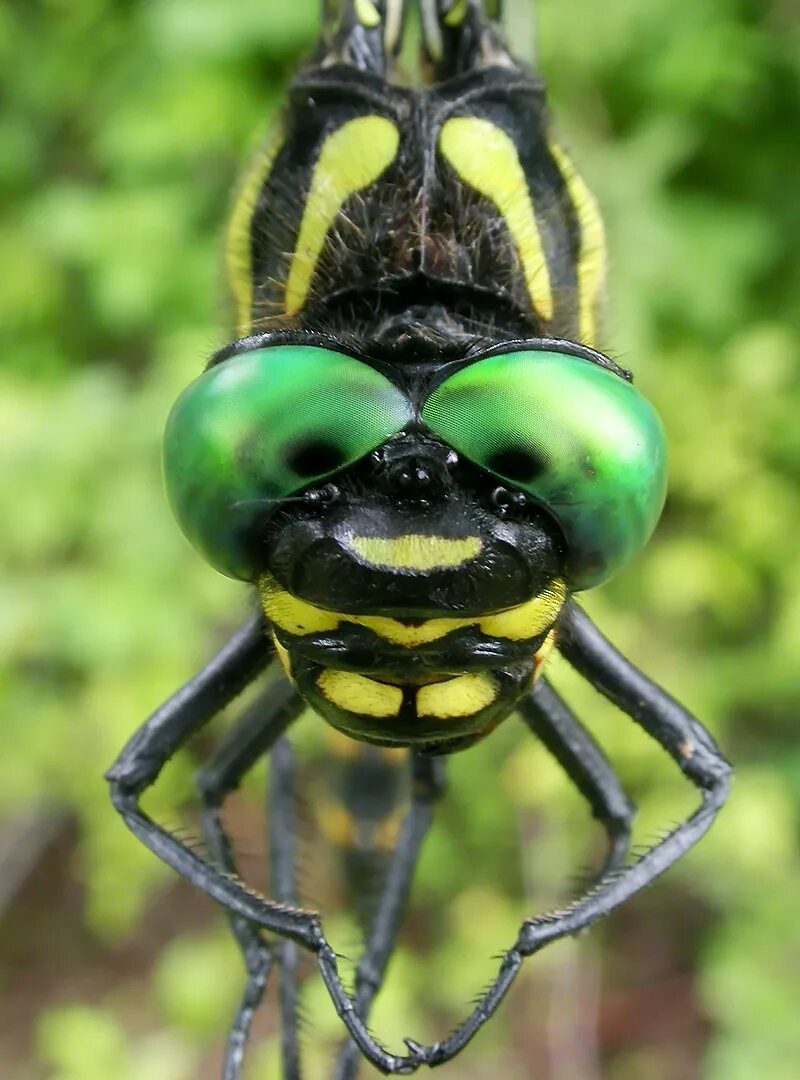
(122, 130)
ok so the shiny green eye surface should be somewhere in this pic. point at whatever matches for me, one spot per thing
(261, 426)
(574, 435)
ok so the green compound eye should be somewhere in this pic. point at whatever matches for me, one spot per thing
(259, 427)
(574, 435)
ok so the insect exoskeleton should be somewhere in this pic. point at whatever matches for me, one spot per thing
(417, 455)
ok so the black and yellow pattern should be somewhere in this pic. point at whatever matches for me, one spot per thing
(405, 700)
(415, 452)
(460, 182)
(372, 199)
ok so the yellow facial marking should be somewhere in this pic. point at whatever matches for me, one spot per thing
(292, 614)
(352, 158)
(367, 14)
(238, 256)
(415, 551)
(592, 255)
(484, 156)
(528, 619)
(357, 694)
(409, 636)
(456, 698)
(299, 617)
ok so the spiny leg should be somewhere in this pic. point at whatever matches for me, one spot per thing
(282, 831)
(460, 36)
(251, 736)
(553, 722)
(165, 732)
(690, 746)
(138, 766)
(427, 785)
(362, 33)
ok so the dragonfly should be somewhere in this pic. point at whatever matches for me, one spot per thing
(417, 454)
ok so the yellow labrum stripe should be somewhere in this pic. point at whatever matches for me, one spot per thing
(352, 158)
(592, 256)
(238, 258)
(415, 551)
(485, 158)
(299, 617)
(357, 694)
(456, 698)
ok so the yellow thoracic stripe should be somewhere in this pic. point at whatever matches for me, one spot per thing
(238, 257)
(351, 158)
(592, 254)
(456, 698)
(298, 617)
(368, 15)
(393, 24)
(457, 13)
(415, 551)
(485, 158)
(357, 694)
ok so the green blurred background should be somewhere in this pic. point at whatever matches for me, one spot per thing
(122, 129)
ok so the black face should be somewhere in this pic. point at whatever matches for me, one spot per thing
(346, 546)
(326, 471)
(411, 596)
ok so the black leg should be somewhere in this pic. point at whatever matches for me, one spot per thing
(551, 720)
(282, 832)
(690, 746)
(139, 764)
(427, 786)
(251, 736)
(589, 652)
